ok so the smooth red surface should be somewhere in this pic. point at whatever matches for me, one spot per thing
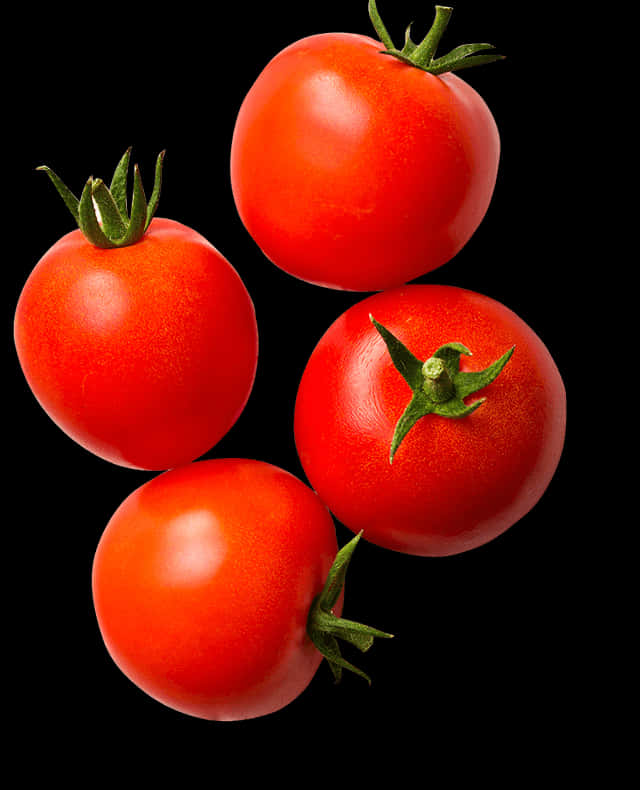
(145, 355)
(202, 583)
(454, 483)
(353, 170)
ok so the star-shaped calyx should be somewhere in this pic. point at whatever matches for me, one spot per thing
(102, 213)
(325, 628)
(438, 385)
(423, 54)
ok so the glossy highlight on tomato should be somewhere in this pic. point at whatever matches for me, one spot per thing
(453, 484)
(202, 584)
(144, 354)
(355, 170)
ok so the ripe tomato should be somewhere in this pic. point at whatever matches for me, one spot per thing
(355, 170)
(144, 354)
(206, 580)
(455, 482)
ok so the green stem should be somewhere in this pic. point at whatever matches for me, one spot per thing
(423, 54)
(437, 381)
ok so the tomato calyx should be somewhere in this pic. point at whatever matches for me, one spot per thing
(324, 628)
(422, 55)
(438, 385)
(102, 213)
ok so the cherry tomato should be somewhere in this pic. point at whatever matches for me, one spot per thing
(357, 170)
(419, 470)
(204, 583)
(144, 354)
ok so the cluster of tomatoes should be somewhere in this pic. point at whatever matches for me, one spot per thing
(217, 584)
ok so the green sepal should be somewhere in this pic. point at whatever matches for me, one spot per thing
(379, 25)
(70, 200)
(409, 45)
(155, 194)
(408, 365)
(450, 353)
(111, 219)
(88, 220)
(118, 186)
(443, 392)
(471, 381)
(419, 406)
(463, 57)
(423, 55)
(138, 218)
(325, 628)
(101, 212)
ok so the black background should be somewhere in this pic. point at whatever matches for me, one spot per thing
(484, 656)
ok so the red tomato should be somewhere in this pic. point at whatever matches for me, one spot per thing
(144, 354)
(203, 581)
(353, 170)
(455, 483)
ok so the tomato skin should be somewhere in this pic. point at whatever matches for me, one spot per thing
(454, 484)
(202, 583)
(145, 355)
(354, 171)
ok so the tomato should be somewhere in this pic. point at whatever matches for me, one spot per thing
(355, 170)
(458, 476)
(204, 583)
(144, 354)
